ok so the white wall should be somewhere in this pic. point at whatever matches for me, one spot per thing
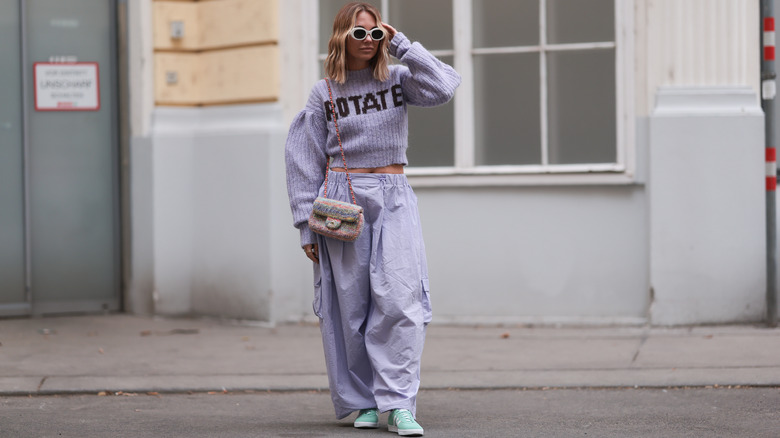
(141, 66)
(215, 192)
(212, 230)
(173, 146)
(140, 282)
(297, 50)
(537, 254)
(208, 195)
(707, 206)
(695, 42)
(140, 286)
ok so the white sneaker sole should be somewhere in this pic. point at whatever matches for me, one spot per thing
(408, 432)
(366, 425)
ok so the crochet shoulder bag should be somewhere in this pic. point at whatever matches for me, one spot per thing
(332, 218)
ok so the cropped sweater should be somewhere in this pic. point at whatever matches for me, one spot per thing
(372, 118)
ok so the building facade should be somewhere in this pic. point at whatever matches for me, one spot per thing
(616, 148)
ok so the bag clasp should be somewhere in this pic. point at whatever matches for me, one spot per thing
(332, 223)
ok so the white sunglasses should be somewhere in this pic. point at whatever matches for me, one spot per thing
(360, 33)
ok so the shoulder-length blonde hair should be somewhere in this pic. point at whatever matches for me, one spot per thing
(336, 62)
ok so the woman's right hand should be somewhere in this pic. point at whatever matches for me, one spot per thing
(391, 30)
(312, 252)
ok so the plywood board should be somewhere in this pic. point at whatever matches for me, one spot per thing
(187, 90)
(166, 11)
(228, 23)
(247, 74)
(240, 75)
(214, 24)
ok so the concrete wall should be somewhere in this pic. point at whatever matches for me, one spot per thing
(707, 206)
(207, 188)
(213, 203)
(694, 43)
(140, 251)
(140, 290)
(546, 255)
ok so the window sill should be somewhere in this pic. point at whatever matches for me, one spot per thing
(451, 177)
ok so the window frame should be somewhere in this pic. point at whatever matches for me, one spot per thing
(465, 172)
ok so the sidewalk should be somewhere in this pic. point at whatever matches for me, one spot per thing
(90, 354)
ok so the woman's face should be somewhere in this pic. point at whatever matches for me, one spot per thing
(359, 53)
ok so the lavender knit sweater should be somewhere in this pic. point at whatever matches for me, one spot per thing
(372, 119)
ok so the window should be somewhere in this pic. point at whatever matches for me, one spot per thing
(541, 89)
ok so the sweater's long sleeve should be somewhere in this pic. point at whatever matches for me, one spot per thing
(305, 159)
(373, 122)
(428, 81)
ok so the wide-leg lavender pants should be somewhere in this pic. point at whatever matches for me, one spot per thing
(372, 298)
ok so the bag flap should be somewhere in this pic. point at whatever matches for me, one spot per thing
(336, 209)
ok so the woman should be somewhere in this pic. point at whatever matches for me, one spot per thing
(371, 294)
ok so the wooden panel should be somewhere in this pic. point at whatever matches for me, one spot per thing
(249, 74)
(214, 24)
(166, 11)
(238, 22)
(187, 90)
(239, 64)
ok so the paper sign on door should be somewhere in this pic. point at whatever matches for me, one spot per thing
(66, 86)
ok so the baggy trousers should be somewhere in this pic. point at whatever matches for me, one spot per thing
(372, 298)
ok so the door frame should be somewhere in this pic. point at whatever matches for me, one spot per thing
(25, 307)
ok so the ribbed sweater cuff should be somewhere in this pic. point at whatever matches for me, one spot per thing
(399, 43)
(307, 235)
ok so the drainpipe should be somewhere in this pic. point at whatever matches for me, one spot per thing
(768, 91)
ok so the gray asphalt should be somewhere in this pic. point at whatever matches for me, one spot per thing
(673, 412)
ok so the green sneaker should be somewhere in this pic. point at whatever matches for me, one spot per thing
(402, 421)
(367, 419)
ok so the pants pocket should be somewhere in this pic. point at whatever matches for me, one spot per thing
(426, 302)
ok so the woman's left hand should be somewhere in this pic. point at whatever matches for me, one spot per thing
(390, 30)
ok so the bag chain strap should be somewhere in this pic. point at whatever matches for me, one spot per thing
(343, 158)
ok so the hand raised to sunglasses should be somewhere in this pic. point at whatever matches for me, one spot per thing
(390, 31)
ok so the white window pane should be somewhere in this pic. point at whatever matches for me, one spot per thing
(504, 23)
(328, 11)
(570, 21)
(506, 96)
(581, 107)
(432, 133)
(429, 22)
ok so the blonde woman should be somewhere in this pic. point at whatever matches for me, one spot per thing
(371, 295)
